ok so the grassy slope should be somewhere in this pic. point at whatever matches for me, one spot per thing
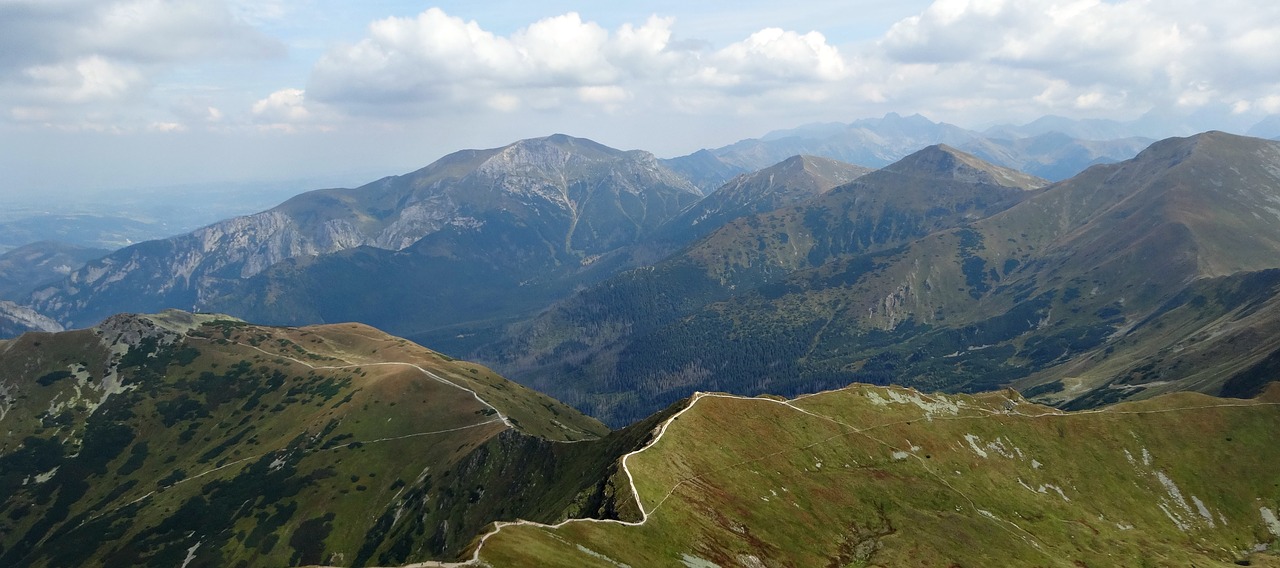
(277, 446)
(871, 476)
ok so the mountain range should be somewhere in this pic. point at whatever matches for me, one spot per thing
(1040, 148)
(604, 278)
(531, 208)
(1128, 280)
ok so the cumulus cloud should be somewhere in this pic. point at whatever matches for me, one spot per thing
(966, 61)
(286, 109)
(1091, 54)
(61, 57)
(87, 79)
(435, 62)
(773, 54)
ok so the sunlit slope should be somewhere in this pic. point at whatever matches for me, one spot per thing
(874, 476)
(158, 440)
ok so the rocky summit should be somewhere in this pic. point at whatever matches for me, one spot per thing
(578, 197)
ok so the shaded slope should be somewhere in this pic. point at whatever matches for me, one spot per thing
(589, 350)
(1100, 288)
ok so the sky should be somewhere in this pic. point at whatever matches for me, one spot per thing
(119, 94)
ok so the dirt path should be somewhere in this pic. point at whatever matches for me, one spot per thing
(1013, 528)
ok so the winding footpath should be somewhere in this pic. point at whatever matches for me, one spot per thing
(981, 413)
(429, 374)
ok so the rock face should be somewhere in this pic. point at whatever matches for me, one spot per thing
(16, 320)
(582, 197)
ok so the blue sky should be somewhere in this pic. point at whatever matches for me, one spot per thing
(126, 93)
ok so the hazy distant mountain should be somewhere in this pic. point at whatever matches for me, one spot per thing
(1084, 129)
(704, 170)
(1053, 148)
(83, 230)
(562, 200)
(1266, 128)
(791, 181)
(28, 267)
(873, 142)
(1054, 156)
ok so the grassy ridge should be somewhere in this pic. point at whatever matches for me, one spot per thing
(870, 476)
(229, 444)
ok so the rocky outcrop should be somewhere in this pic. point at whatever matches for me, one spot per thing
(16, 320)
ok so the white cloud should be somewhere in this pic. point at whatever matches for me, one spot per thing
(604, 95)
(1123, 55)
(167, 30)
(143, 64)
(286, 107)
(167, 127)
(88, 79)
(434, 63)
(83, 61)
(773, 55)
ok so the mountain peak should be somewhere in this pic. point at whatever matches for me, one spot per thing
(562, 143)
(941, 160)
(820, 173)
(1213, 144)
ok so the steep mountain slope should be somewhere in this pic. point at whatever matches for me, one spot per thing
(508, 262)
(1132, 279)
(26, 268)
(870, 476)
(578, 350)
(16, 320)
(178, 439)
(576, 197)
